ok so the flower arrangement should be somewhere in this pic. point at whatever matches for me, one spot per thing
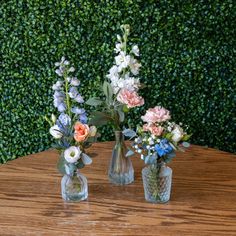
(159, 138)
(121, 94)
(121, 89)
(156, 141)
(71, 133)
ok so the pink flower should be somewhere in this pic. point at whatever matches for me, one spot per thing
(155, 130)
(130, 98)
(156, 114)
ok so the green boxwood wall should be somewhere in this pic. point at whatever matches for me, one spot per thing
(187, 55)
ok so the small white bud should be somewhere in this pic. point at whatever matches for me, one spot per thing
(53, 118)
(139, 151)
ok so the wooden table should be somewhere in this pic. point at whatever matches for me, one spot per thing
(203, 200)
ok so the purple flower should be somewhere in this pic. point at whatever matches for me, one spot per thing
(61, 107)
(75, 82)
(79, 99)
(78, 111)
(83, 118)
(57, 85)
(64, 119)
(73, 92)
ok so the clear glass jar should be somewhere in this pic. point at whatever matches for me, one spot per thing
(74, 187)
(157, 183)
(121, 170)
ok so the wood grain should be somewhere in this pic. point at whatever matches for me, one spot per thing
(203, 200)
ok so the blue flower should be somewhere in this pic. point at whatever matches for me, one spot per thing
(83, 118)
(61, 107)
(79, 99)
(77, 110)
(73, 92)
(64, 119)
(163, 147)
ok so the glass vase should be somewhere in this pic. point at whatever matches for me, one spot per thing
(121, 170)
(74, 187)
(157, 183)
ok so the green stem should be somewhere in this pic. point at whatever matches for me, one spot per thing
(67, 97)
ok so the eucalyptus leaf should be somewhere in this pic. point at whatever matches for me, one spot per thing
(129, 153)
(86, 159)
(129, 133)
(94, 101)
(108, 91)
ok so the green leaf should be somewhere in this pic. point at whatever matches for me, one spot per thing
(108, 91)
(186, 137)
(61, 165)
(121, 115)
(94, 102)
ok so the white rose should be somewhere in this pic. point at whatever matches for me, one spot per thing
(55, 132)
(177, 133)
(72, 154)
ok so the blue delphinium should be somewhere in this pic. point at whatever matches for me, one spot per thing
(66, 94)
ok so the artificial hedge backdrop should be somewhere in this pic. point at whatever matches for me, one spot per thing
(187, 55)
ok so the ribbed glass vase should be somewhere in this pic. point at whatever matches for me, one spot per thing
(74, 187)
(157, 183)
(121, 170)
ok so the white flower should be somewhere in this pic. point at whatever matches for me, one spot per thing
(55, 132)
(113, 73)
(135, 50)
(134, 66)
(177, 133)
(72, 154)
(118, 47)
(86, 159)
(122, 61)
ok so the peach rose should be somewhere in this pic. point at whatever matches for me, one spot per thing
(81, 131)
(156, 114)
(130, 98)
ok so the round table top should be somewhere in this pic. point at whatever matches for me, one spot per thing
(202, 200)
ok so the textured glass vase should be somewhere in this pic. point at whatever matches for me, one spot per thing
(121, 170)
(157, 183)
(74, 187)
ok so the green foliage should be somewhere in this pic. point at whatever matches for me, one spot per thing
(187, 55)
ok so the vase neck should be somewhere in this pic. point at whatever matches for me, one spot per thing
(119, 136)
(158, 165)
